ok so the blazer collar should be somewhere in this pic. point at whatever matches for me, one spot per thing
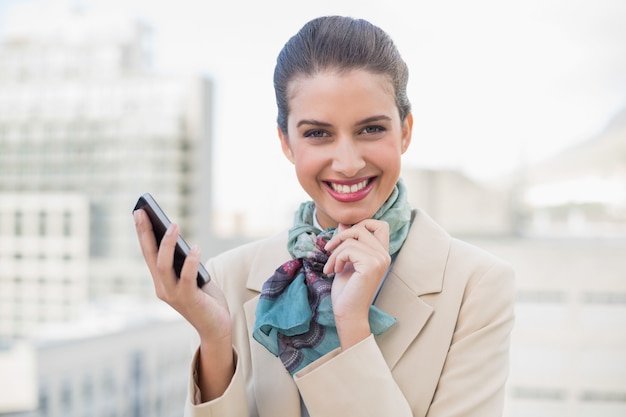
(421, 263)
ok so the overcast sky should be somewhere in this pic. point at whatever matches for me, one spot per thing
(493, 83)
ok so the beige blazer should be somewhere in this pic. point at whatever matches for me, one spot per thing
(447, 355)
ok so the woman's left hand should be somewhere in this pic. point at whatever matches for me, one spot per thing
(359, 258)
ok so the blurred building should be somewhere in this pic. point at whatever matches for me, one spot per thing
(568, 352)
(580, 192)
(118, 360)
(82, 112)
(86, 127)
(43, 260)
(18, 377)
(459, 204)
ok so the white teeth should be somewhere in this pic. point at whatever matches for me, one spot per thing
(344, 189)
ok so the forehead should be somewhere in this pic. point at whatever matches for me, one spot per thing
(330, 87)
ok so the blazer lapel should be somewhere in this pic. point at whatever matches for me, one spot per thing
(418, 270)
(411, 313)
(280, 398)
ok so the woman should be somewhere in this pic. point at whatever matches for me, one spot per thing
(365, 306)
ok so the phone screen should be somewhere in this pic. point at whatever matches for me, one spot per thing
(160, 223)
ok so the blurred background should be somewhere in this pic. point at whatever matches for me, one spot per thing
(519, 146)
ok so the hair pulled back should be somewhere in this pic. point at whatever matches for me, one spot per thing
(341, 44)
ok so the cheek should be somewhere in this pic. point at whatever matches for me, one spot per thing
(305, 166)
(304, 155)
(384, 154)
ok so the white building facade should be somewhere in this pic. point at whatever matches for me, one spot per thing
(85, 128)
(81, 112)
(43, 260)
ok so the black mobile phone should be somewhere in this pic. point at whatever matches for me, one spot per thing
(160, 223)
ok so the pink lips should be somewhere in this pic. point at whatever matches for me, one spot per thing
(351, 197)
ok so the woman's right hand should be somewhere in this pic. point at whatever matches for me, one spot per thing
(205, 309)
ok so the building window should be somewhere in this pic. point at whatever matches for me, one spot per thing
(18, 223)
(44, 401)
(603, 396)
(42, 223)
(88, 396)
(542, 297)
(67, 223)
(137, 381)
(612, 298)
(66, 398)
(537, 393)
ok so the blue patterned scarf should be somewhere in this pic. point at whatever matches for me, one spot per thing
(294, 316)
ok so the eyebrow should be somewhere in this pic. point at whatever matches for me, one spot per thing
(367, 120)
(312, 122)
(374, 119)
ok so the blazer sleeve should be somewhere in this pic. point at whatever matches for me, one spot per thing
(472, 383)
(356, 382)
(232, 403)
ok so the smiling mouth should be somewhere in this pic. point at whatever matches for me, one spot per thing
(348, 189)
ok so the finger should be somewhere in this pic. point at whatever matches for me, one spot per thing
(141, 225)
(379, 229)
(331, 245)
(338, 237)
(147, 240)
(189, 271)
(344, 233)
(338, 260)
(150, 250)
(348, 251)
(165, 257)
(362, 248)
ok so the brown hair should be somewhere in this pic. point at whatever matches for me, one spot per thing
(341, 44)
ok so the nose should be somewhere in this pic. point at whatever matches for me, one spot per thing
(347, 159)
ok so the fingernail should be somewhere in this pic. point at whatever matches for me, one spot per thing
(170, 229)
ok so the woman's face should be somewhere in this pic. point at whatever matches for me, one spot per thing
(345, 138)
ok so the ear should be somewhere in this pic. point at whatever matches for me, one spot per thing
(407, 131)
(284, 144)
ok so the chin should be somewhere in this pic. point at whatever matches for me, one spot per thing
(353, 218)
